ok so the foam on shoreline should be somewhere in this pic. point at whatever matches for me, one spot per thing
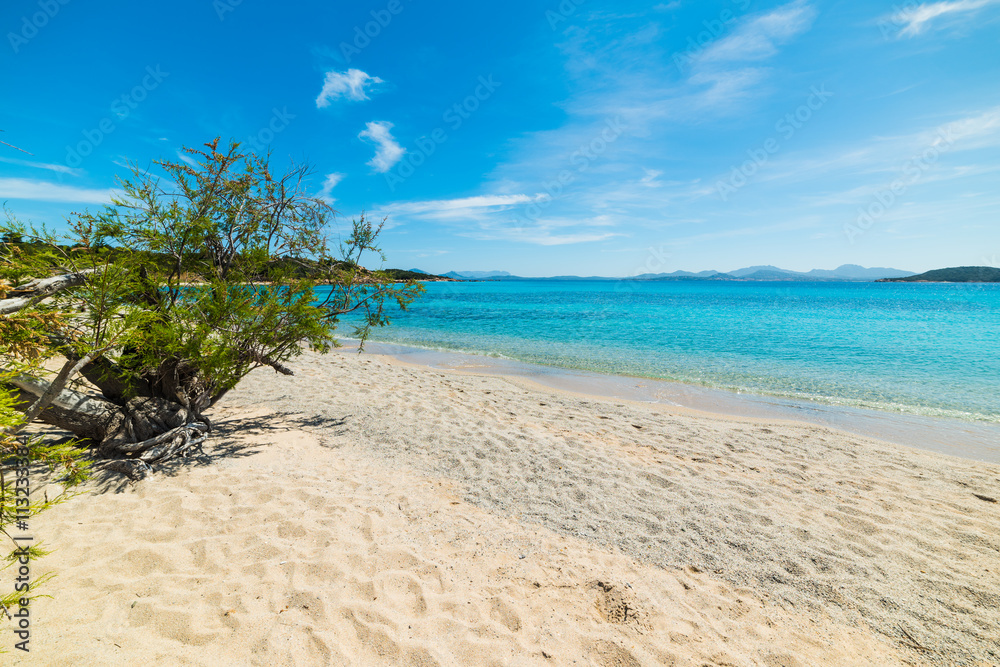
(971, 440)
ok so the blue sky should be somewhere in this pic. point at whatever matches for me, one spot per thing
(542, 138)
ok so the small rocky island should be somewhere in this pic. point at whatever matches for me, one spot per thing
(958, 274)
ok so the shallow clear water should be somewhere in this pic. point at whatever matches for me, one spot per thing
(931, 349)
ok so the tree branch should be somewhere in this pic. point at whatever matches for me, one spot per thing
(69, 369)
(86, 416)
(41, 289)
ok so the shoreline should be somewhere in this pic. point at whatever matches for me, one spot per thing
(975, 441)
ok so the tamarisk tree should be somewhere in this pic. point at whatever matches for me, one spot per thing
(168, 297)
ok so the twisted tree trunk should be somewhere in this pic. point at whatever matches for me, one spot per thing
(132, 429)
(130, 421)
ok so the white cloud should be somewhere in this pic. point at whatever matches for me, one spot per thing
(465, 205)
(851, 175)
(328, 185)
(387, 150)
(916, 20)
(984, 128)
(350, 84)
(60, 168)
(722, 77)
(481, 211)
(187, 159)
(649, 180)
(546, 239)
(488, 218)
(35, 190)
(759, 38)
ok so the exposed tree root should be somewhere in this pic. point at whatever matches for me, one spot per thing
(181, 441)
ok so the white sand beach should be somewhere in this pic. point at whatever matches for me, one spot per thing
(365, 512)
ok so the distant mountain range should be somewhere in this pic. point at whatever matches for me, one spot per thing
(477, 275)
(958, 274)
(847, 272)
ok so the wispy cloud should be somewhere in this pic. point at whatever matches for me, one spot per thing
(59, 168)
(488, 218)
(652, 96)
(387, 150)
(352, 84)
(759, 38)
(886, 157)
(328, 185)
(542, 237)
(187, 159)
(466, 206)
(35, 190)
(649, 180)
(915, 20)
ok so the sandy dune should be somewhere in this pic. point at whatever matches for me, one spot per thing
(396, 515)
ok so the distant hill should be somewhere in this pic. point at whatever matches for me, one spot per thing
(750, 270)
(855, 272)
(844, 272)
(770, 275)
(402, 274)
(677, 274)
(847, 272)
(958, 274)
(477, 275)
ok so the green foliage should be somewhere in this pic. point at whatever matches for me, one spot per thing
(958, 274)
(202, 273)
(401, 274)
(21, 340)
(63, 459)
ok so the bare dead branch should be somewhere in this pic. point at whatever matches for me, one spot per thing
(38, 290)
(68, 371)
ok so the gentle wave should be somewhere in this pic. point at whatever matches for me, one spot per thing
(924, 349)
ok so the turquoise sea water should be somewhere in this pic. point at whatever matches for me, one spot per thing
(930, 349)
